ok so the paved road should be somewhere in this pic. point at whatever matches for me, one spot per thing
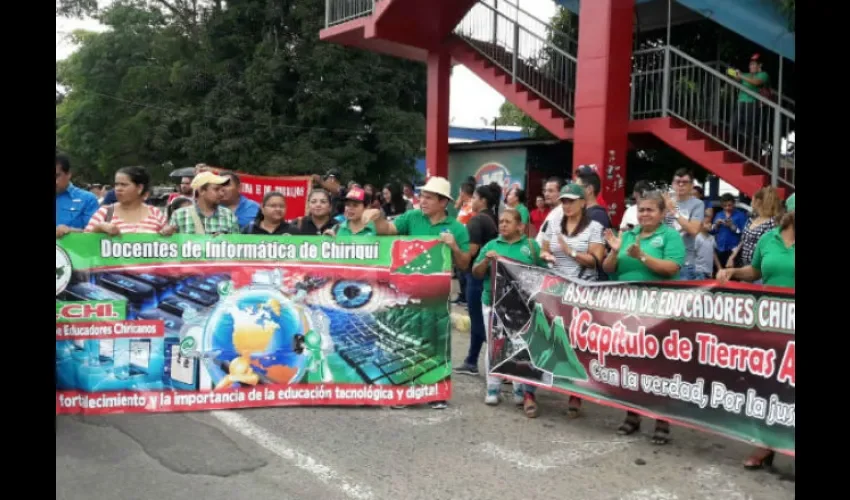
(468, 451)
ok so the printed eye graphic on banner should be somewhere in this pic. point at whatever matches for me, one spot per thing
(362, 296)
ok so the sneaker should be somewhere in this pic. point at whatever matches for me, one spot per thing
(492, 398)
(466, 369)
(519, 395)
(439, 405)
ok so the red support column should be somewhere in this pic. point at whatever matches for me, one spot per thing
(437, 116)
(602, 94)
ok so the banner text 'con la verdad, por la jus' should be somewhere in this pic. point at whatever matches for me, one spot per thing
(721, 359)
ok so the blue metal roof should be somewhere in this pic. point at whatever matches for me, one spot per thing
(757, 20)
(483, 134)
(475, 134)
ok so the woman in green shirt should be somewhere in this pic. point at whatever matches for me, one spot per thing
(775, 263)
(516, 199)
(652, 251)
(513, 244)
(356, 201)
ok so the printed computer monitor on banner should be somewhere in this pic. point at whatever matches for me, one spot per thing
(183, 368)
(140, 356)
(106, 349)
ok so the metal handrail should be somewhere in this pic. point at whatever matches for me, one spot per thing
(540, 65)
(669, 82)
(572, 43)
(342, 11)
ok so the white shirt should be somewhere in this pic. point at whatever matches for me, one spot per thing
(629, 218)
(554, 217)
(580, 243)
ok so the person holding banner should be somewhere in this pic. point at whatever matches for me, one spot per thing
(652, 251)
(356, 201)
(775, 264)
(270, 218)
(430, 219)
(129, 214)
(207, 215)
(575, 247)
(246, 210)
(511, 243)
(318, 218)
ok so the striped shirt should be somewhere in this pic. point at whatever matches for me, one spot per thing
(580, 243)
(153, 222)
(222, 221)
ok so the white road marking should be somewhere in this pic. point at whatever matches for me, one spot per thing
(714, 484)
(285, 451)
(653, 493)
(576, 452)
(422, 416)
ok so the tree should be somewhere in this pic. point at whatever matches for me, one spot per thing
(246, 85)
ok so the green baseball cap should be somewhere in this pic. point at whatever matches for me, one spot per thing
(791, 202)
(572, 191)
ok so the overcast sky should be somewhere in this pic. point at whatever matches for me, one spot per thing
(471, 98)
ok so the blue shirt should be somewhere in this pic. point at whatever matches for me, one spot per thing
(728, 238)
(74, 207)
(246, 211)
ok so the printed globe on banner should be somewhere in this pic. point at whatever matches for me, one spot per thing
(256, 328)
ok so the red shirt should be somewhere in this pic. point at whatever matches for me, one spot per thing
(538, 216)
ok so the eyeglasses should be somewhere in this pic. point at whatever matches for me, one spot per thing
(681, 182)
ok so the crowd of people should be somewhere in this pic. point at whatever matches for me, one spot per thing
(664, 235)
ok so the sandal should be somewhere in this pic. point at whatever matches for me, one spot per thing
(661, 436)
(629, 426)
(574, 407)
(529, 406)
(760, 459)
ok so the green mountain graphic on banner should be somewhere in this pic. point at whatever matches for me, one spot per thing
(550, 349)
(419, 257)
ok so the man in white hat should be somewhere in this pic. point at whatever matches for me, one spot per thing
(207, 215)
(430, 219)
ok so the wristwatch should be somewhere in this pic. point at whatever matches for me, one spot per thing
(573, 254)
(643, 258)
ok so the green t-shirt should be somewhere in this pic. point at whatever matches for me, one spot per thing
(415, 223)
(452, 211)
(520, 251)
(665, 243)
(745, 97)
(775, 261)
(523, 212)
(368, 230)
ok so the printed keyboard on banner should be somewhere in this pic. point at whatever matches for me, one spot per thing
(150, 296)
(381, 355)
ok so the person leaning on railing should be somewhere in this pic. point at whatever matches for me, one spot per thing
(774, 262)
(652, 251)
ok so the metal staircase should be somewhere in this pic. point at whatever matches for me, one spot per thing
(690, 105)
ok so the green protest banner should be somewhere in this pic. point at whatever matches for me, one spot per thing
(187, 323)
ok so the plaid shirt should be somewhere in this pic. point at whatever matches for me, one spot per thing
(222, 221)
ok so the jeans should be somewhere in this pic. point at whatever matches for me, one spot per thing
(462, 283)
(688, 273)
(494, 383)
(702, 276)
(477, 333)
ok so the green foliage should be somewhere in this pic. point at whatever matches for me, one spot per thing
(247, 86)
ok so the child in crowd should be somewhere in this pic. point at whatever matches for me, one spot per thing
(704, 245)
